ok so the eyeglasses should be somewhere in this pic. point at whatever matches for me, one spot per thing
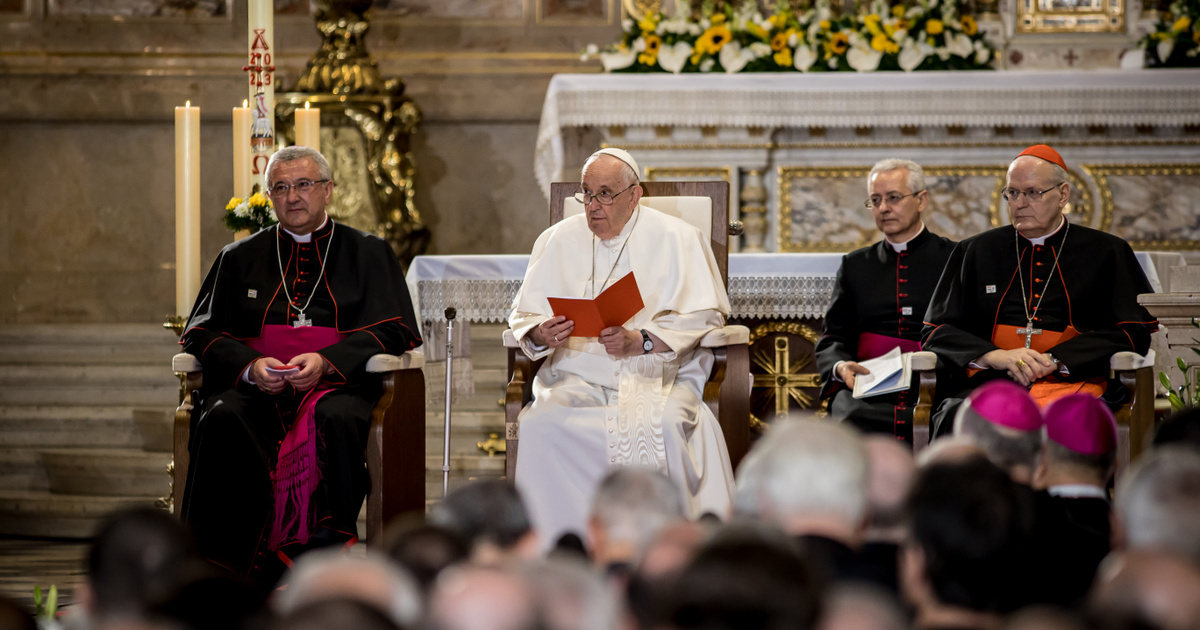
(303, 187)
(877, 202)
(1010, 194)
(604, 197)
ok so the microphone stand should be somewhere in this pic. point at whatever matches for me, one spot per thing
(450, 314)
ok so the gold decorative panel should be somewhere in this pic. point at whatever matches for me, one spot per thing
(575, 12)
(503, 10)
(688, 173)
(1071, 16)
(1153, 206)
(1081, 210)
(821, 209)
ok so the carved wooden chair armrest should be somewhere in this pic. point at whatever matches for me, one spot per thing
(923, 365)
(1135, 419)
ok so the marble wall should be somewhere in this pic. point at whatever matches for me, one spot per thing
(86, 155)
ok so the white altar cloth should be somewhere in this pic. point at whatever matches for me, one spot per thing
(1016, 98)
(768, 286)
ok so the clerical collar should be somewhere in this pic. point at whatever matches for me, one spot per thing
(1078, 491)
(306, 238)
(899, 247)
(1041, 240)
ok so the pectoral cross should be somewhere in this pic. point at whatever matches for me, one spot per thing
(1029, 331)
(302, 322)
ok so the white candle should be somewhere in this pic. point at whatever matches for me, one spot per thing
(241, 151)
(261, 61)
(187, 207)
(308, 127)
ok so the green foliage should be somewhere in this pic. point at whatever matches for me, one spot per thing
(1185, 395)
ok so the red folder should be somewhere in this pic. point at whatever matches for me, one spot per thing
(613, 307)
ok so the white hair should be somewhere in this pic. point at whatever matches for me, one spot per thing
(809, 467)
(916, 175)
(298, 152)
(570, 596)
(633, 504)
(1159, 501)
(329, 574)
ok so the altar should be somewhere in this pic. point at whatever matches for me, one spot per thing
(796, 148)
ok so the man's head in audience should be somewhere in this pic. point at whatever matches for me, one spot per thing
(1080, 443)
(471, 597)
(424, 549)
(138, 555)
(1155, 586)
(860, 607)
(492, 517)
(336, 613)
(653, 577)
(631, 506)
(570, 595)
(373, 580)
(1004, 421)
(1158, 503)
(969, 523)
(897, 197)
(812, 480)
(1181, 428)
(747, 577)
(890, 472)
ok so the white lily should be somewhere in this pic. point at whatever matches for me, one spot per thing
(1165, 48)
(960, 45)
(733, 57)
(864, 58)
(674, 58)
(911, 56)
(804, 58)
(617, 60)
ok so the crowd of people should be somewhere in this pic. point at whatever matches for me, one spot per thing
(832, 529)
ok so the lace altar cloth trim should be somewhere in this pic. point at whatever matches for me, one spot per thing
(1017, 98)
(482, 288)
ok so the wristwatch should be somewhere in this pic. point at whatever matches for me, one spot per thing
(647, 343)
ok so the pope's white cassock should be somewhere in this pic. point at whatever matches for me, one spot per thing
(593, 412)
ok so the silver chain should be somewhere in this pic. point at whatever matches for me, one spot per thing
(324, 259)
(1021, 277)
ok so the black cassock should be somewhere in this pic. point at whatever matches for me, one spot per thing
(1093, 289)
(236, 437)
(886, 293)
(1071, 538)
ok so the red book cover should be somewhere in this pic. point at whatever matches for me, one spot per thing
(613, 307)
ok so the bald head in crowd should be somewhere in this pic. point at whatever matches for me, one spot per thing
(329, 574)
(630, 507)
(1158, 503)
(890, 474)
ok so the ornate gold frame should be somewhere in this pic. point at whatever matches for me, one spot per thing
(1100, 172)
(786, 173)
(669, 173)
(1071, 16)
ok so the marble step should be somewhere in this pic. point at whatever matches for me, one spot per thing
(461, 463)
(106, 472)
(45, 515)
(21, 469)
(90, 355)
(80, 335)
(126, 386)
(56, 425)
(463, 441)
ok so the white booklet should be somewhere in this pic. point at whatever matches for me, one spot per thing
(891, 372)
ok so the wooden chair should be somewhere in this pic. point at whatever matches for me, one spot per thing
(727, 392)
(1135, 419)
(395, 445)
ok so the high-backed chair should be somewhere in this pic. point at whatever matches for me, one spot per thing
(395, 445)
(727, 392)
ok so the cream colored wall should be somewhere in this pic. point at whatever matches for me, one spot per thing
(86, 133)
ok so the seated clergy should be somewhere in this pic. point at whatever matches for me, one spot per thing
(277, 453)
(1042, 302)
(633, 395)
(879, 298)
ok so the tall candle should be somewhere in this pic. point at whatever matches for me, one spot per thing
(261, 66)
(308, 127)
(187, 207)
(241, 151)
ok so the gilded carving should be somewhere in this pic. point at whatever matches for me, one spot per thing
(688, 173)
(1070, 16)
(1146, 204)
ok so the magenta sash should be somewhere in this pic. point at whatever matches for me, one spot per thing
(296, 473)
(871, 345)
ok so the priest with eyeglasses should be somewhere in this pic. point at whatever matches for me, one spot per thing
(284, 325)
(633, 395)
(1043, 302)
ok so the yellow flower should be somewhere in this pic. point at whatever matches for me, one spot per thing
(883, 44)
(647, 59)
(872, 23)
(257, 199)
(837, 44)
(757, 31)
(1196, 36)
(779, 41)
(898, 10)
(784, 58)
(779, 20)
(1182, 24)
(969, 25)
(718, 18)
(713, 39)
(934, 27)
(824, 25)
(653, 43)
(233, 203)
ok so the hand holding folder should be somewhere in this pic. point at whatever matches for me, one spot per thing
(613, 307)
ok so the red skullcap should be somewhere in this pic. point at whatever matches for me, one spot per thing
(1083, 424)
(1044, 152)
(1006, 404)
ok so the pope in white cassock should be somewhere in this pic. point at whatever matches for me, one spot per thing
(633, 396)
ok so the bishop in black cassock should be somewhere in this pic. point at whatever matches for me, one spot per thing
(880, 297)
(1044, 302)
(325, 298)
